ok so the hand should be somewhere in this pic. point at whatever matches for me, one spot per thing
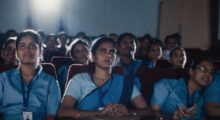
(191, 111)
(108, 109)
(119, 110)
(184, 112)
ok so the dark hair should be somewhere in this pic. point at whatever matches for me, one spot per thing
(176, 36)
(155, 42)
(97, 42)
(176, 48)
(124, 35)
(75, 42)
(52, 35)
(113, 34)
(9, 40)
(195, 63)
(8, 32)
(29, 32)
(146, 36)
(62, 33)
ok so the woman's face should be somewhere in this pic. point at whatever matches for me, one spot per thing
(81, 53)
(178, 59)
(105, 55)
(203, 73)
(28, 51)
(155, 52)
(9, 54)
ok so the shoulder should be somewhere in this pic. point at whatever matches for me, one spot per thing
(169, 83)
(10, 73)
(81, 78)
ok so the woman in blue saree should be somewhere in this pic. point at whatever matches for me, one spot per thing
(99, 92)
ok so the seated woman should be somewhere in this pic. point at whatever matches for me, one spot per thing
(99, 92)
(8, 52)
(27, 91)
(212, 95)
(79, 51)
(183, 98)
(154, 53)
(178, 57)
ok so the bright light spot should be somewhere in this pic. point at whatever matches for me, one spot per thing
(46, 6)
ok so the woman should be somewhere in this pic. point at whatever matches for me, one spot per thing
(178, 57)
(154, 54)
(79, 51)
(183, 98)
(8, 52)
(27, 91)
(99, 92)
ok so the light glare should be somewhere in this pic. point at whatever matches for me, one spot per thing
(46, 6)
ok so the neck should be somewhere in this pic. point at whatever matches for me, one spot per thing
(27, 72)
(101, 74)
(126, 59)
(192, 86)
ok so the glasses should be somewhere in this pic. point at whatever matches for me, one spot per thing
(105, 51)
(29, 47)
(205, 70)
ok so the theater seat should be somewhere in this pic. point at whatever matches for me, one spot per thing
(47, 67)
(79, 68)
(163, 64)
(7, 67)
(148, 76)
(50, 69)
(59, 61)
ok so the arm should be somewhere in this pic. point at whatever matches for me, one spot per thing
(53, 100)
(67, 110)
(159, 96)
(212, 97)
(142, 108)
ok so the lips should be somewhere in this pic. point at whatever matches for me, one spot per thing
(28, 56)
(109, 62)
(205, 80)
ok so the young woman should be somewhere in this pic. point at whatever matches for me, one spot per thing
(80, 53)
(27, 91)
(154, 53)
(178, 57)
(99, 92)
(183, 98)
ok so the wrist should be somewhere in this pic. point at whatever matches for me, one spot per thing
(133, 113)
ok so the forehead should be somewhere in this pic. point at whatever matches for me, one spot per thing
(79, 45)
(11, 43)
(179, 51)
(106, 45)
(207, 64)
(27, 39)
